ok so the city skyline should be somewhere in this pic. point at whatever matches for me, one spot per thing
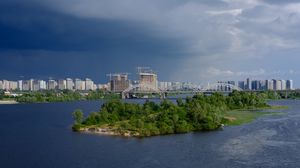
(197, 41)
(119, 82)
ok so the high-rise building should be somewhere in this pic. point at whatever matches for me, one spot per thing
(5, 84)
(262, 85)
(269, 85)
(52, 84)
(119, 82)
(26, 85)
(277, 84)
(43, 84)
(20, 85)
(89, 84)
(289, 85)
(248, 84)
(283, 85)
(70, 84)
(255, 85)
(241, 84)
(13, 85)
(39, 85)
(36, 85)
(62, 84)
(147, 78)
(79, 84)
(167, 85)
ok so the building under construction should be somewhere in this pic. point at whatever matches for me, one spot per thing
(147, 78)
(119, 82)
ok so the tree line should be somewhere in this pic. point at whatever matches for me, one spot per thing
(62, 96)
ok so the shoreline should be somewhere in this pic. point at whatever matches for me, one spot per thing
(8, 102)
(107, 131)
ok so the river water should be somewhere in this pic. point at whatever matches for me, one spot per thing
(40, 136)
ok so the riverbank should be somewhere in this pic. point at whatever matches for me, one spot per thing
(8, 102)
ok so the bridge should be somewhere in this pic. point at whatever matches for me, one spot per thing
(149, 89)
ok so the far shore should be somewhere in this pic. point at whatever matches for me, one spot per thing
(8, 102)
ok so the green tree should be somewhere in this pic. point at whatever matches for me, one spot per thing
(78, 116)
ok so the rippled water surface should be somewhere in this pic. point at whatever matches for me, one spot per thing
(39, 135)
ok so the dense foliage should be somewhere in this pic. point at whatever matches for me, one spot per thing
(49, 96)
(199, 113)
(63, 96)
(289, 94)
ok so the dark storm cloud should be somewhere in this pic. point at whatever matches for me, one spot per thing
(183, 40)
(41, 42)
(31, 27)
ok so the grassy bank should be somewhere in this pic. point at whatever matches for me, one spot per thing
(239, 117)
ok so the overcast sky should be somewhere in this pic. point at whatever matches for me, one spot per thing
(183, 40)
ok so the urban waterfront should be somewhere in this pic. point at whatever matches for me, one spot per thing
(40, 135)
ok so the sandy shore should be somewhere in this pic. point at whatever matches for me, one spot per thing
(8, 102)
(107, 131)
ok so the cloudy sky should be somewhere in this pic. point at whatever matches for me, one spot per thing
(183, 40)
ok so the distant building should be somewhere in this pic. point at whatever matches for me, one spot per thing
(43, 84)
(79, 84)
(147, 79)
(62, 84)
(36, 85)
(70, 84)
(289, 85)
(13, 85)
(187, 85)
(255, 85)
(248, 84)
(30, 82)
(20, 85)
(52, 84)
(89, 84)
(241, 84)
(269, 85)
(262, 85)
(26, 85)
(167, 85)
(283, 85)
(277, 84)
(119, 82)
(5, 84)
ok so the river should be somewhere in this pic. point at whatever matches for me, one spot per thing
(40, 136)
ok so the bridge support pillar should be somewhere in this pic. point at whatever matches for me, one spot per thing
(123, 96)
(163, 95)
